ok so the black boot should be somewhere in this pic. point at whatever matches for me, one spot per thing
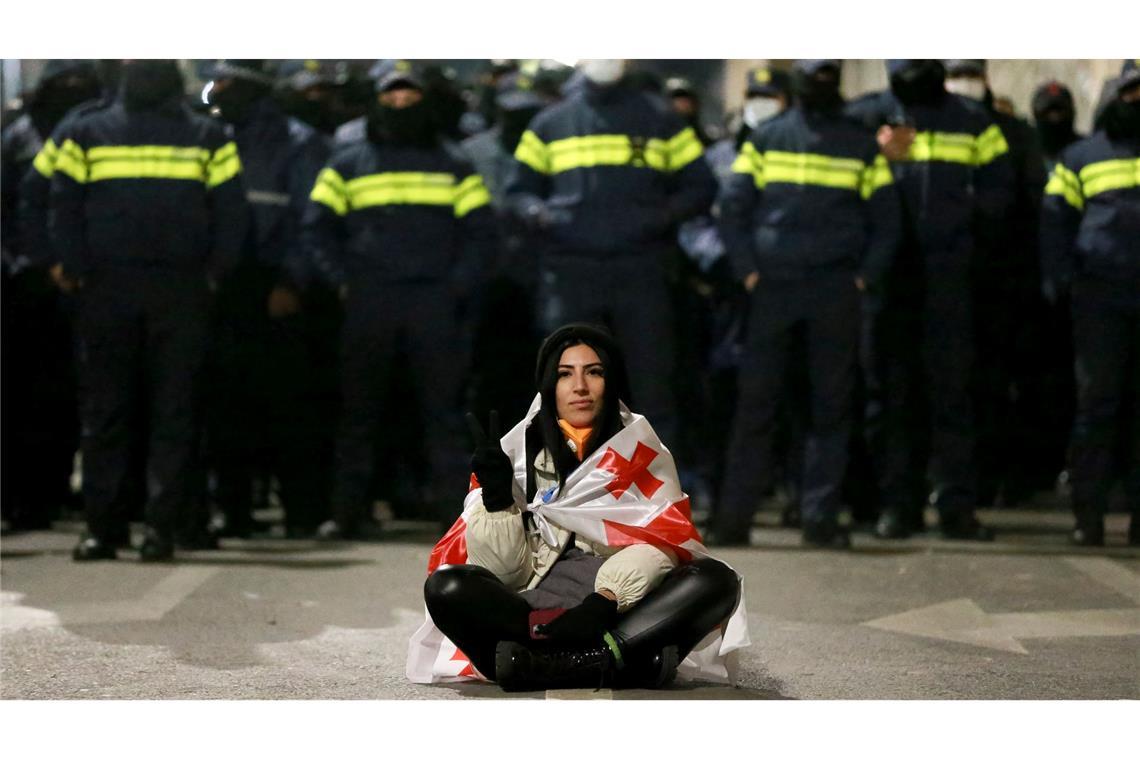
(825, 536)
(891, 524)
(1090, 532)
(91, 548)
(965, 527)
(520, 668)
(156, 548)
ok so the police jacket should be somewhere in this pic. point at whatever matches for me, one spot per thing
(35, 190)
(502, 543)
(19, 144)
(810, 192)
(159, 187)
(957, 172)
(387, 212)
(1090, 219)
(611, 171)
(281, 157)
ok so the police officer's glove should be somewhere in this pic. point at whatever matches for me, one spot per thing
(491, 466)
(584, 624)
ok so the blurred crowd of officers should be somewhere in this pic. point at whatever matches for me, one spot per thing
(292, 286)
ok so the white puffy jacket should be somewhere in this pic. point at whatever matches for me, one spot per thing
(519, 558)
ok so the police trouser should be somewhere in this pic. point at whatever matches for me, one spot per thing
(476, 610)
(142, 334)
(917, 355)
(412, 323)
(630, 295)
(827, 306)
(258, 414)
(1106, 341)
(41, 427)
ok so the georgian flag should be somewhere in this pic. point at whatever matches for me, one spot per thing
(626, 492)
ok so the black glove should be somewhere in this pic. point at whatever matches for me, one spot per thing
(491, 465)
(584, 624)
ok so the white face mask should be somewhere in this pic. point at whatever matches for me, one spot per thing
(967, 87)
(602, 70)
(760, 109)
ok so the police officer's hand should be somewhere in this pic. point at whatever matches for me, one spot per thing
(861, 284)
(63, 281)
(490, 464)
(750, 281)
(584, 624)
(895, 142)
(283, 302)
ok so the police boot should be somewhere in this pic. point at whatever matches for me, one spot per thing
(825, 536)
(1089, 531)
(91, 548)
(156, 548)
(892, 524)
(520, 668)
(965, 527)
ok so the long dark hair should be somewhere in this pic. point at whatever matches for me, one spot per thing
(544, 431)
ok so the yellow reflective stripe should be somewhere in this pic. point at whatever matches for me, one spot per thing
(607, 150)
(990, 144)
(390, 188)
(107, 162)
(950, 147)
(875, 177)
(329, 190)
(533, 152)
(44, 161)
(1064, 182)
(71, 161)
(812, 169)
(470, 195)
(683, 148)
(749, 161)
(224, 165)
(1102, 176)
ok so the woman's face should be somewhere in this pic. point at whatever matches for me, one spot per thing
(581, 386)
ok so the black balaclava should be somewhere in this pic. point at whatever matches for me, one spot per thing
(58, 95)
(819, 91)
(237, 100)
(920, 81)
(150, 83)
(1053, 115)
(512, 124)
(546, 378)
(412, 125)
(1121, 120)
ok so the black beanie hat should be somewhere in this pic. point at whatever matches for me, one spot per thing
(598, 338)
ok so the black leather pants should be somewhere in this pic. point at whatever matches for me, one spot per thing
(476, 611)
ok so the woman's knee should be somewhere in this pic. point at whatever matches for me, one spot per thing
(448, 584)
(715, 582)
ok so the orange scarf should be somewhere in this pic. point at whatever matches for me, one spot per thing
(576, 436)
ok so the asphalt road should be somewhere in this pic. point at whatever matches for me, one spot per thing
(1024, 618)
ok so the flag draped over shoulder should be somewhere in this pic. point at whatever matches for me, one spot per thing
(626, 492)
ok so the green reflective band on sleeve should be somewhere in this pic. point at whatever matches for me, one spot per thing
(72, 161)
(109, 162)
(470, 195)
(1064, 182)
(684, 148)
(990, 144)
(875, 177)
(1102, 176)
(749, 161)
(44, 162)
(813, 169)
(608, 150)
(401, 188)
(533, 152)
(224, 165)
(330, 191)
(948, 147)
